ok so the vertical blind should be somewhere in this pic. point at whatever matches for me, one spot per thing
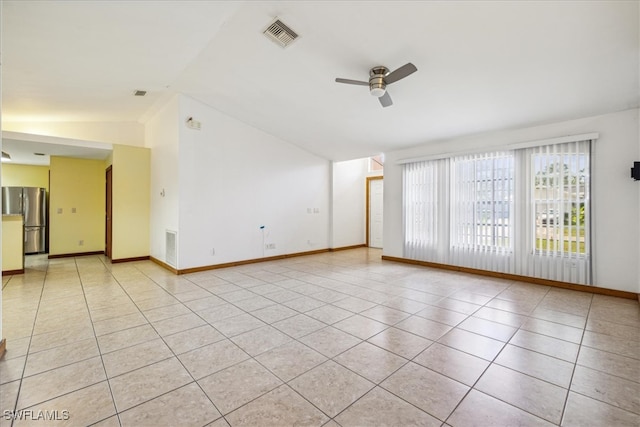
(523, 211)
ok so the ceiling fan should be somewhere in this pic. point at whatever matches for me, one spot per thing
(379, 78)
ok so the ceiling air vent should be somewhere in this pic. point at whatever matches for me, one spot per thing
(139, 93)
(280, 33)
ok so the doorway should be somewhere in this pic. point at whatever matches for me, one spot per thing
(375, 209)
(109, 211)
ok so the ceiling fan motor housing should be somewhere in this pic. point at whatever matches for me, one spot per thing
(377, 85)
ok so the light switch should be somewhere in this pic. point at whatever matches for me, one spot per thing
(73, 210)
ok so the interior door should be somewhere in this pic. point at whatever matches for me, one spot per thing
(108, 215)
(374, 211)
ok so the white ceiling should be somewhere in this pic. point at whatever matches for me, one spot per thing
(482, 66)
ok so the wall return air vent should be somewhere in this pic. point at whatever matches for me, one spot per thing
(280, 33)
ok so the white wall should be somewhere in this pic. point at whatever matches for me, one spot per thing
(235, 178)
(161, 135)
(349, 202)
(615, 202)
(124, 133)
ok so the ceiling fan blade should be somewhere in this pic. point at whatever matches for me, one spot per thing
(352, 82)
(385, 100)
(400, 73)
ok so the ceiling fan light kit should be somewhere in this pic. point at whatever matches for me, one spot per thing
(379, 78)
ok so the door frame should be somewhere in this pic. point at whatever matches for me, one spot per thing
(368, 203)
(108, 223)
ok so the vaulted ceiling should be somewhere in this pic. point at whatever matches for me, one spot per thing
(482, 66)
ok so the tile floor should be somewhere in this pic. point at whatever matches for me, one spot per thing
(332, 339)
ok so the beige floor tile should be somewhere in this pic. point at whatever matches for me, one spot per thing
(426, 389)
(157, 302)
(60, 356)
(220, 312)
(424, 327)
(279, 407)
(260, 340)
(212, 358)
(559, 317)
(330, 341)
(612, 344)
(408, 304)
(546, 345)
(457, 305)
(471, 297)
(500, 316)
(537, 365)
(290, 360)
(487, 328)
(522, 391)
(238, 295)
(329, 314)
(237, 325)
(185, 406)
(12, 369)
(442, 315)
(631, 333)
(196, 294)
(8, 399)
(601, 386)
(108, 326)
(178, 324)
(384, 314)
(354, 305)
(282, 295)
(610, 363)
(237, 385)
(204, 303)
(479, 410)
(381, 408)
(400, 342)
(274, 313)
(330, 387)
(474, 344)
(193, 338)
(56, 382)
(304, 304)
(452, 363)
(582, 411)
(522, 307)
(141, 385)
(55, 339)
(254, 303)
(165, 312)
(555, 330)
(127, 359)
(108, 422)
(373, 363)
(83, 407)
(360, 326)
(299, 326)
(126, 338)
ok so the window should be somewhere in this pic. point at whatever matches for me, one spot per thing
(559, 198)
(524, 211)
(482, 201)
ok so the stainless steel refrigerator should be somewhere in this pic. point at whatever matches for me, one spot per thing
(31, 203)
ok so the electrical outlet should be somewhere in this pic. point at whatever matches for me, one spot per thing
(81, 243)
(270, 246)
(73, 210)
(213, 251)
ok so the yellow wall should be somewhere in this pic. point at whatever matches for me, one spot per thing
(79, 184)
(25, 176)
(12, 243)
(131, 178)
